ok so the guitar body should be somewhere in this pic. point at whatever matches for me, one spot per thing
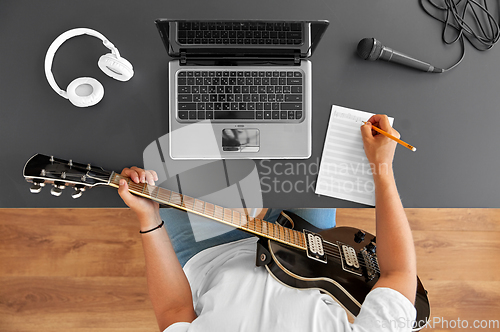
(348, 287)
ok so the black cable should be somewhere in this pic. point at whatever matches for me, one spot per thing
(469, 19)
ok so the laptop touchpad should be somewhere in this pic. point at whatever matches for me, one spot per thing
(240, 140)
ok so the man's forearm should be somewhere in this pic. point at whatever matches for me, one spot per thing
(395, 248)
(168, 286)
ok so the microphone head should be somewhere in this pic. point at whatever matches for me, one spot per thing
(369, 49)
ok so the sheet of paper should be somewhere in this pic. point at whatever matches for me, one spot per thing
(344, 170)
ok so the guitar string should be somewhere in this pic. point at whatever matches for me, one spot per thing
(330, 250)
(191, 206)
(334, 251)
(360, 262)
(135, 186)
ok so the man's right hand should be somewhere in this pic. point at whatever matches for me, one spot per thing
(378, 148)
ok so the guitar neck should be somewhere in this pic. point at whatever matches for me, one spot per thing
(226, 216)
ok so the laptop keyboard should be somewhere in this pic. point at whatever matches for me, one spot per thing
(245, 32)
(240, 95)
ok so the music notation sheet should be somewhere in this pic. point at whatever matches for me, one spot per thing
(344, 171)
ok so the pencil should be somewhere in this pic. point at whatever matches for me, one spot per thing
(411, 147)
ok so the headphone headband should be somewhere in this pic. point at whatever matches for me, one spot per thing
(49, 57)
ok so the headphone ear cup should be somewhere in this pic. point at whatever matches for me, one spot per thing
(85, 92)
(117, 68)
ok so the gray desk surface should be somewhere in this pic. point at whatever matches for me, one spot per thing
(452, 118)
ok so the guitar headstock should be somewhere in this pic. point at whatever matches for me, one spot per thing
(41, 170)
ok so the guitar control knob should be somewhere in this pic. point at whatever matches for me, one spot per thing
(371, 248)
(359, 236)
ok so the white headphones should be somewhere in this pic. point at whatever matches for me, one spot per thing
(87, 91)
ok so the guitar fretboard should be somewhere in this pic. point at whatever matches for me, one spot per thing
(225, 215)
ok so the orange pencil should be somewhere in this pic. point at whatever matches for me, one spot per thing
(411, 147)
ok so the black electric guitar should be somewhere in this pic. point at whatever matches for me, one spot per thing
(341, 261)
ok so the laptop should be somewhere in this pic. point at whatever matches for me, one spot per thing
(240, 89)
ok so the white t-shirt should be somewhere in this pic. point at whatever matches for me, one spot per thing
(230, 293)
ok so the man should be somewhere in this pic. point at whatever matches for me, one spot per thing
(221, 289)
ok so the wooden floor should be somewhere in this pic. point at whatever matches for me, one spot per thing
(83, 269)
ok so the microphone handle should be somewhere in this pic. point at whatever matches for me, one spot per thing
(390, 55)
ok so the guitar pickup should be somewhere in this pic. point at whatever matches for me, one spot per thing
(349, 257)
(315, 246)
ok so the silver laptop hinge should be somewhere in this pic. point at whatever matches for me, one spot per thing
(183, 58)
(297, 59)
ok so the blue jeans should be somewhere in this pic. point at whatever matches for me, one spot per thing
(190, 233)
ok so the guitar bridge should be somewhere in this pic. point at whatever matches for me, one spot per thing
(371, 263)
(315, 246)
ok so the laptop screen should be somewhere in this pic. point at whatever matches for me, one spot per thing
(240, 38)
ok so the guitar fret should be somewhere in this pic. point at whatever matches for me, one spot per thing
(210, 209)
(219, 212)
(236, 218)
(228, 216)
(168, 195)
(188, 202)
(242, 220)
(155, 192)
(176, 199)
(199, 206)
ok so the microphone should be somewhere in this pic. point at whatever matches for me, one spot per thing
(372, 49)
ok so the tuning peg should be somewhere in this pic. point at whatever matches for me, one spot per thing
(36, 188)
(57, 189)
(78, 192)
